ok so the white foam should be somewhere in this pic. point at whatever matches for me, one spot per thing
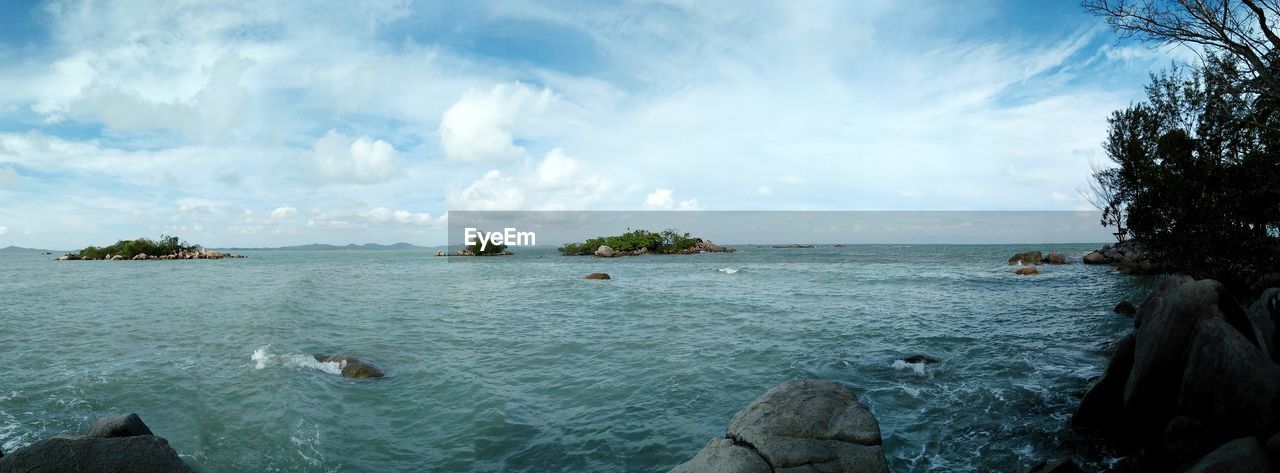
(917, 368)
(727, 270)
(263, 358)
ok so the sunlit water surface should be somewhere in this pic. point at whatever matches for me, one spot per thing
(517, 364)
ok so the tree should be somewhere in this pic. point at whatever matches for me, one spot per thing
(1246, 30)
(1196, 175)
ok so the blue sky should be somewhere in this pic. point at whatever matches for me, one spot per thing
(273, 124)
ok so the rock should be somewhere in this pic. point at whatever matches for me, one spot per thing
(1229, 382)
(1242, 455)
(353, 367)
(1056, 466)
(125, 425)
(117, 258)
(68, 257)
(596, 276)
(1265, 315)
(1104, 402)
(114, 444)
(1273, 446)
(723, 456)
(919, 359)
(440, 253)
(139, 257)
(1095, 257)
(1026, 271)
(1055, 258)
(810, 425)
(605, 251)
(138, 454)
(1126, 308)
(1026, 258)
(1187, 437)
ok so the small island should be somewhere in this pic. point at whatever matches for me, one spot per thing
(640, 242)
(165, 248)
(476, 249)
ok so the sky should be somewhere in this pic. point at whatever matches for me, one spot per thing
(280, 123)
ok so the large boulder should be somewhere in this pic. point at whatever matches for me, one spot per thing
(353, 367)
(811, 425)
(1126, 308)
(124, 425)
(1055, 258)
(1243, 455)
(1095, 257)
(1026, 271)
(1265, 314)
(118, 444)
(596, 276)
(724, 456)
(605, 251)
(1026, 257)
(1199, 372)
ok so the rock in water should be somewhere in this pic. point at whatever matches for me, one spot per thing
(1026, 271)
(353, 367)
(1055, 258)
(605, 251)
(1095, 257)
(724, 456)
(817, 424)
(113, 445)
(596, 276)
(1126, 308)
(919, 359)
(126, 425)
(1026, 258)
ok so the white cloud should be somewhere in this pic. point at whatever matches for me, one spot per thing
(339, 159)
(8, 177)
(4, 230)
(478, 127)
(661, 199)
(764, 190)
(281, 213)
(381, 217)
(558, 182)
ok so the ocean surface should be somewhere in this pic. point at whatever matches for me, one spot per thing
(518, 364)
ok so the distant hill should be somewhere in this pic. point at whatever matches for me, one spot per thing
(325, 247)
(19, 249)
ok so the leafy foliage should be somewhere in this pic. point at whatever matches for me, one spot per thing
(166, 245)
(490, 249)
(666, 241)
(1196, 179)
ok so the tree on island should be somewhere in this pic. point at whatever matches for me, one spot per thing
(490, 249)
(666, 241)
(1196, 175)
(166, 245)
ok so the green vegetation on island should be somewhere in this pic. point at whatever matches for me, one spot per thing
(166, 247)
(490, 249)
(639, 242)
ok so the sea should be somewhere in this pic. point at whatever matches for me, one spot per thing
(516, 363)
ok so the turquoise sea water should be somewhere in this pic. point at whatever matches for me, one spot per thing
(518, 364)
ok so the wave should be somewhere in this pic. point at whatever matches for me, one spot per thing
(728, 270)
(262, 358)
(917, 368)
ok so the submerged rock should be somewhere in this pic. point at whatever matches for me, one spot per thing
(799, 426)
(919, 359)
(353, 367)
(596, 276)
(1025, 271)
(1126, 308)
(114, 444)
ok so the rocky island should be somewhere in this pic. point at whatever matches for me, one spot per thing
(642, 242)
(165, 248)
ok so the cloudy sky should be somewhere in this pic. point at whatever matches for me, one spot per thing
(264, 124)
